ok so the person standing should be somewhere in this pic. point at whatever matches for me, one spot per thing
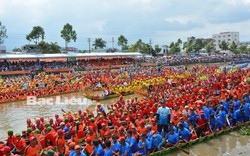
(163, 116)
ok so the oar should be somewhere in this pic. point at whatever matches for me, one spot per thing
(183, 150)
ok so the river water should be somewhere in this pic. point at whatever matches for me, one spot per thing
(13, 115)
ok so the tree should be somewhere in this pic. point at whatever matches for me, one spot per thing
(122, 41)
(17, 50)
(157, 48)
(233, 47)
(209, 48)
(224, 45)
(242, 49)
(3, 33)
(188, 46)
(36, 34)
(141, 47)
(99, 43)
(68, 34)
(175, 47)
(53, 47)
(198, 45)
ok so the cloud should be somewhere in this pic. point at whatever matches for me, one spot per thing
(162, 20)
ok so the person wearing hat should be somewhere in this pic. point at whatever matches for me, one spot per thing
(144, 145)
(202, 124)
(60, 142)
(163, 117)
(222, 117)
(240, 115)
(108, 151)
(231, 117)
(131, 141)
(246, 107)
(50, 153)
(185, 124)
(33, 148)
(89, 148)
(172, 138)
(91, 133)
(72, 148)
(98, 150)
(20, 144)
(78, 151)
(183, 133)
(116, 146)
(125, 148)
(192, 117)
(213, 123)
(155, 141)
(6, 151)
(11, 138)
(104, 130)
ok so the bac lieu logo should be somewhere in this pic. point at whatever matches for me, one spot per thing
(58, 100)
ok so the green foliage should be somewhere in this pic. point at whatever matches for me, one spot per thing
(99, 43)
(49, 48)
(233, 47)
(198, 45)
(68, 34)
(242, 49)
(157, 48)
(17, 50)
(122, 41)
(36, 34)
(3, 33)
(224, 45)
(188, 46)
(141, 47)
(209, 47)
(245, 130)
(175, 47)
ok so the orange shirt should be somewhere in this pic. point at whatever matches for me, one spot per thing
(142, 130)
(89, 148)
(32, 151)
(92, 137)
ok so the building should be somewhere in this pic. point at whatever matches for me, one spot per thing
(228, 37)
(192, 38)
(2, 49)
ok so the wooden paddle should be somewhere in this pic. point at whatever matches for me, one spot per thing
(183, 150)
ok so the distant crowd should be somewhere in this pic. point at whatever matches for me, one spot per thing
(91, 62)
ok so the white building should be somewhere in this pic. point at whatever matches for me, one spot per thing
(228, 37)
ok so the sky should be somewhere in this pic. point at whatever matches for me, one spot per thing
(163, 21)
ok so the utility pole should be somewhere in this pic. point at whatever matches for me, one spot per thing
(89, 40)
(150, 43)
(113, 43)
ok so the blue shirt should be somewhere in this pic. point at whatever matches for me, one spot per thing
(213, 124)
(222, 117)
(185, 133)
(126, 149)
(72, 153)
(81, 154)
(116, 146)
(132, 141)
(192, 118)
(236, 104)
(173, 139)
(108, 152)
(239, 116)
(155, 141)
(163, 115)
(99, 150)
(145, 148)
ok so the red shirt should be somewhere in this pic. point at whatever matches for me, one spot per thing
(20, 144)
(11, 140)
(201, 122)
